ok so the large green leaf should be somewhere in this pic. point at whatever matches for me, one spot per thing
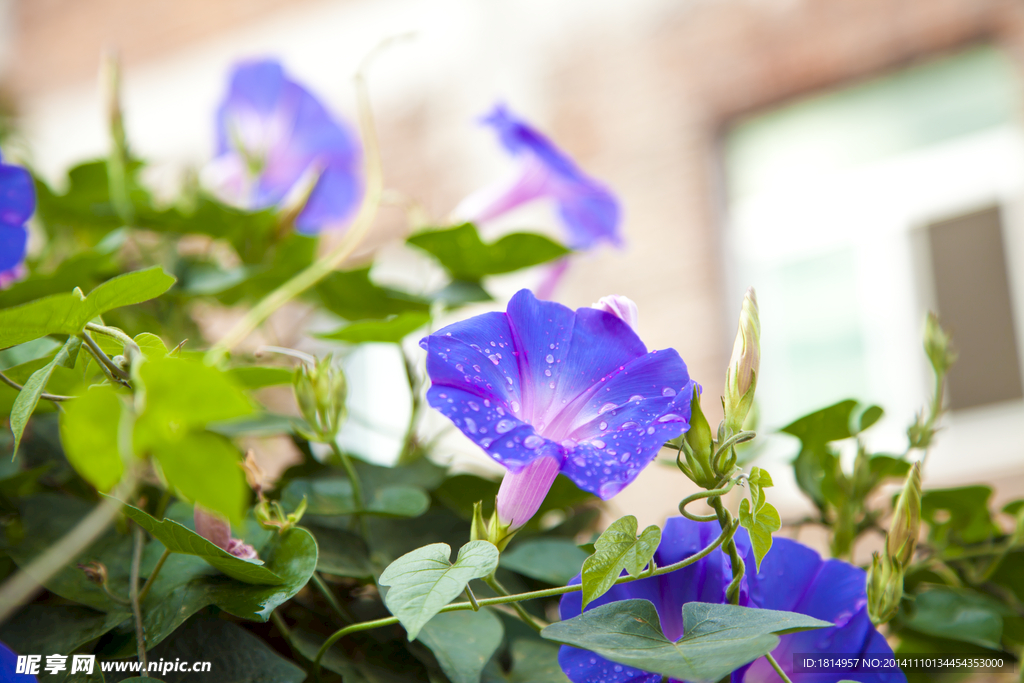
(204, 468)
(89, 431)
(425, 580)
(334, 497)
(958, 515)
(718, 638)
(463, 642)
(353, 296)
(30, 392)
(393, 329)
(463, 254)
(68, 313)
(551, 560)
(56, 629)
(235, 654)
(618, 548)
(180, 539)
(958, 615)
(342, 553)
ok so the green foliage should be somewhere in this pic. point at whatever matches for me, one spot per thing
(393, 329)
(463, 642)
(353, 296)
(466, 257)
(957, 615)
(425, 580)
(551, 560)
(760, 518)
(34, 387)
(89, 427)
(718, 638)
(332, 497)
(958, 515)
(68, 313)
(618, 548)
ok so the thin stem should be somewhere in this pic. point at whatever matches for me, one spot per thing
(49, 397)
(511, 599)
(329, 596)
(713, 493)
(114, 373)
(409, 444)
(732, 592)
(23, 585)
(111, 332)
(322, 267)
(357, 489)
(778, 669)
(133, 592)
(152, 576)
(472, 598)
(526, 617)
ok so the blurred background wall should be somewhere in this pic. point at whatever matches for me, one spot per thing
(858, 161)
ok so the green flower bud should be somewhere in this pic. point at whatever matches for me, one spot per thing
(320, 391)
(884, 588)
(938, 346)
(478, 527)
(698, 446)
(741, 376)
(906, 519)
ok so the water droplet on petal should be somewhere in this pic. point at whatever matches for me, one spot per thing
(547, 373)
(509, 444)
(580, 462)
(486, 442)
(509, 379)
(668, 391)
(515, 406)
(493, 344)
(487, 402)
(612, 451)
(493, 358)
(650, 430)
(471, 425)
(477, 368)
(504, 426)
(533, 441)
(636, 397)
(551, 346)
(629, 425)
(549, 358)
(568, 443)
(551, 385)
(606, 407)
(474, 405)
(597, 443)
(602, 426)
(624, 457)
(670, 417)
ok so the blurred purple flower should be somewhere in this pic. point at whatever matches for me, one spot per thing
(9, 667)
(543, 389)
(271, 134)
(17, 202)
(793, 578)
(216, 530)
(589, 211)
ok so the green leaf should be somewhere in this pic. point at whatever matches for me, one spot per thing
(425, 580)
(204, 468)
(236, 655)
(89, 431)
(958, 615)
(261, 424)
(84, 269)
(334, 497)
(352, 295)
(68, 313)
(180, 539)
(618, 548)
(342, 553)
(393, 329)
(152, 346)
(29, 351)
(958, 515)
(463, 642)
(463, 254)
(758, 479)
(56, 629)
(719, 638)
(535, 661)
(761, 524)
(30, 392)
(551, 560)
(825, 425)
(259, 376)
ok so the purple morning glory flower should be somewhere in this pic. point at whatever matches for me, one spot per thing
(9, 667)
(546, 390)
(589, 211)
(17, 202)
(272, 133)
(793, 578)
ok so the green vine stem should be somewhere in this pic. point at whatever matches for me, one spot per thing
(525, 616)
(712, 494)
(323, 266)
(23, 585)
(139, 538)
(726, 535)
(152, 576)
(778, 669)
(357, 488)
(109, 367)
(732, 592)
(328, 594)
(56, 398)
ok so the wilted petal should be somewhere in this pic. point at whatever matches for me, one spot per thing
(216, 530)
(531, 380)
(587, 208)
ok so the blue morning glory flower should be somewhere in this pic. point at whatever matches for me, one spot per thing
(589, 211)
(546, 390)
(9, 667)
(271, 134)
(17, 202)
(793, 578)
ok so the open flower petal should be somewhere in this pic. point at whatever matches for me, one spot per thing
(536, 379)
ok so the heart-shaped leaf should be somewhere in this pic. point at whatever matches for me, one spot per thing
(719, 638)
(618, 548)
(425, 580)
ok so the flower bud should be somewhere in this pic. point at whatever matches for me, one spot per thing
(520, 496)
(906, 520)
(95, 572)
(698, 446)
(884, 589)
(938, 346)
(216, 530)
(320, 390)
(741, 376)
(621, 307)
